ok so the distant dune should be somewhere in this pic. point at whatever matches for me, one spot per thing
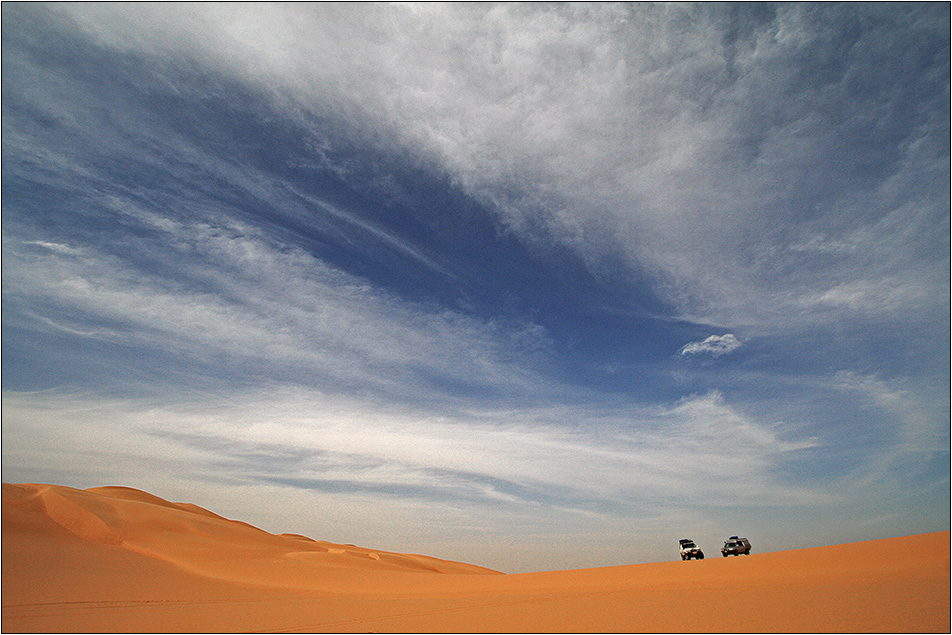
(115, 559)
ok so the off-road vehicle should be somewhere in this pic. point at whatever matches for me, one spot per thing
(735, 546)
(690, 550)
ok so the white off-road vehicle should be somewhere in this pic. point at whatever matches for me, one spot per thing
(690, 550)
(735, 546)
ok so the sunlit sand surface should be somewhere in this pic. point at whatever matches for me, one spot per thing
(116, 559)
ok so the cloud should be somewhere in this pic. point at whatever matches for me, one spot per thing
(715, 345)
(680, 454)
(201, 266)
(691, 151)
(503, 477)
(919, 429)
(261, 303)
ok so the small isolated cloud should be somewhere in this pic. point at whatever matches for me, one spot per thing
(715, 345)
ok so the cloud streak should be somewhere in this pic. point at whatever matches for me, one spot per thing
(601, 145)
(691, 160)
(678, 455)
(267, 305)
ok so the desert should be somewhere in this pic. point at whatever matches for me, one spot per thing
(116, 559)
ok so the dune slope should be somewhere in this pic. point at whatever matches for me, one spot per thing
(118, 559)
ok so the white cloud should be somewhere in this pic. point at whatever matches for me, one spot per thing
(715, 345)
(229, 290)
(678, 455)
(880, 297)
(920, 414)
(344, 469)
(683, 137)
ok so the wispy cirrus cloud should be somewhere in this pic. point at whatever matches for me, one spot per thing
(244, 297)
(697, 161)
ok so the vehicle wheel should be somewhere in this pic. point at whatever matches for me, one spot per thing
(700, 556)
(724, 554)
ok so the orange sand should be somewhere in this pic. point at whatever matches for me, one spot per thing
(117, 559)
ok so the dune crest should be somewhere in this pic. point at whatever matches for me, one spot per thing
(116, 559)
(200, 541)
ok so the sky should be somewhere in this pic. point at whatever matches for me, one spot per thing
(531, 286)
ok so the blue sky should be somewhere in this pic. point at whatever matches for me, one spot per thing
(534, 287)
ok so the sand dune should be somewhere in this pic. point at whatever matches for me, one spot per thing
(117, 559)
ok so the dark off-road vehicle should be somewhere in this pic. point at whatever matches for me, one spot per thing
(735, 546)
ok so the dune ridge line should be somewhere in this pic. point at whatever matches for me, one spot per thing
(117, 559)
